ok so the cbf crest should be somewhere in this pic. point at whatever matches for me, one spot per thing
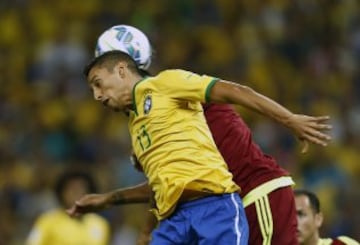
(147, 103)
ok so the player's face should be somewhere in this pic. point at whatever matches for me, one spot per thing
(111, 88)
(308, 221)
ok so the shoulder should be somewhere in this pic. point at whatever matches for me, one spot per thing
(48, 218)
(166, 77)
(50, 214)
(162, 76)
(95, 218)
(341, 240)
(174, 73)
(347, 240)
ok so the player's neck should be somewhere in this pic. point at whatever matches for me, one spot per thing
(314, 240)
(135, 78)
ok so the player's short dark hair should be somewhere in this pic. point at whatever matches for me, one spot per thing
(313, 199)
(70, 175)
(109, 60)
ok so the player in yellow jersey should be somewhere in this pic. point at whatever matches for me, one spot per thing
(310, 220)
(171, 139)
(170, 136)
(55, 227)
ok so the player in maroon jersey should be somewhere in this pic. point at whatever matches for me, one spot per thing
(266, 187)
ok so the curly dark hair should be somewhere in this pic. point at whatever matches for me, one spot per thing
(70, 175)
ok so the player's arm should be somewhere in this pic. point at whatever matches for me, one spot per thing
(96, 202)
(145, 232)
(307, 128)
(136, 194)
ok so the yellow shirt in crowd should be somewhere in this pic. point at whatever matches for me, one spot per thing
(58, 228)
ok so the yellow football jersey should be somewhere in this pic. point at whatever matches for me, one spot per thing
(58, 228)
(171, 138)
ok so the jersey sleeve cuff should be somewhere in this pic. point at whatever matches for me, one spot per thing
(208, 89)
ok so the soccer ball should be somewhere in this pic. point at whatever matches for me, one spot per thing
(127, 39)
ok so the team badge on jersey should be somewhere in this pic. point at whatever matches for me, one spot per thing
(147, 104)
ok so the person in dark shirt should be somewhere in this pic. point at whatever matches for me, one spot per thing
(310, 219)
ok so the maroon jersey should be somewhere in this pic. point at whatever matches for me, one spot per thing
(337, 242)
(248, 164)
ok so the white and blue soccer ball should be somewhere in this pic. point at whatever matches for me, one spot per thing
(127, 39)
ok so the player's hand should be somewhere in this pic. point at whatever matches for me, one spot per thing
(310, 129)
(89, 203)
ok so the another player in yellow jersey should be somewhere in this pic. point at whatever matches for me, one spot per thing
(310, 220)
(55, 227)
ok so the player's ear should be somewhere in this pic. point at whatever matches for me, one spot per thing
(318, 219)
(120, 68)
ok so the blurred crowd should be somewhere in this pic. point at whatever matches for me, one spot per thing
(303, 53)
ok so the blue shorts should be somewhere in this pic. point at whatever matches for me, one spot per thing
(212, 220)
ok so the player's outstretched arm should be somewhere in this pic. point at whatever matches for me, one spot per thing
(97, 202)
(307, 128)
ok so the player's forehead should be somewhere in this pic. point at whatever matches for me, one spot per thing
(97, 73)
(302, 202)
(76, 182)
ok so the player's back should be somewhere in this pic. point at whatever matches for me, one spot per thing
(248, 164)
